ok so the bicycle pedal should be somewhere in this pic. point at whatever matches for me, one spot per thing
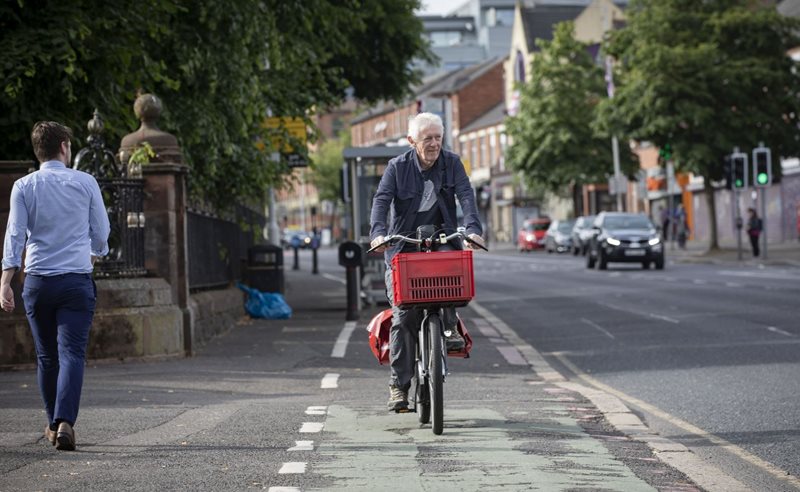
(402, 410)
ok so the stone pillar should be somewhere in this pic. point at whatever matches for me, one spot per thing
(166, 253)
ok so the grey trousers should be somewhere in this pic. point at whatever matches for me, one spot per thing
(403, 337)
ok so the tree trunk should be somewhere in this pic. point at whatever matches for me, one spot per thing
(713, 241)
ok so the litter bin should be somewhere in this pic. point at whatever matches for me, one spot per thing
(265, 268)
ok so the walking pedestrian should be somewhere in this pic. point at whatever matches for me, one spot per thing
(682, 226)
(665, 224)
(57, 214)
(419, 188)
(754, 228)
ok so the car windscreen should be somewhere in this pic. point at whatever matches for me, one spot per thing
(627, 222)
(537, 227)
(565, 227)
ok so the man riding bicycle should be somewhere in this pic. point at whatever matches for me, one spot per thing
(419, 188)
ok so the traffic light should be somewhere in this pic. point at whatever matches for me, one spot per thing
(762, 166)
(666, 152)
(739, 170)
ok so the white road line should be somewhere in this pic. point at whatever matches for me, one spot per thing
(331, 380)
(664, 318)
(311, 427)
(600, 328)
(488, 331)
(512, 355)
(334, 278)
(316, 410)
(733, 284)
(284, 489)
(340, 347)
(778, 330)
(293, 467)
(302, 446)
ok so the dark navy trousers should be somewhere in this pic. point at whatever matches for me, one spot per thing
(60, 310)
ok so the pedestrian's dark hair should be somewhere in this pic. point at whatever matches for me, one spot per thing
(47, 137)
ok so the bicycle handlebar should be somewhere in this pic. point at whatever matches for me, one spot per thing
(442, 239)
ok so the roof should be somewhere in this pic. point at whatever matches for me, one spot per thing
(458, 79)
(539, 21)
(494, 116)
(438, 85)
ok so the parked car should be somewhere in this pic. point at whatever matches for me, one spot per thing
(625, 237)
(582, 233)
(558, 237)
(296, 239)
(531, 234)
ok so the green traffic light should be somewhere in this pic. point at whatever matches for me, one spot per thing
(739, 183)
(762, 178)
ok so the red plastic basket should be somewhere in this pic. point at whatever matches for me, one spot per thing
(439, 278)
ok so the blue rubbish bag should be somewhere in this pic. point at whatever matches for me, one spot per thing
(269, 305)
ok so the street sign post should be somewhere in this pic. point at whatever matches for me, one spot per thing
(762, 178)
(739, 180)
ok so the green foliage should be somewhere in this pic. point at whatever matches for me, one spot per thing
(327, 166)
(554, 144)
(705, 77)
(219, 68)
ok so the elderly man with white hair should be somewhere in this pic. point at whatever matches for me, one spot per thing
(420, 188)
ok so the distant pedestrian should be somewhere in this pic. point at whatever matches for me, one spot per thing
(58, 215)
(665, 223)
(681, 227)
(754, 228)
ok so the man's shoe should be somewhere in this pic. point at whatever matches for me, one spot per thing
(65, 437)
(50, 435)
(454, 342)
(398, 399)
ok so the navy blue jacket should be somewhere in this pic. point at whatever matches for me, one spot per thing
(400, 192)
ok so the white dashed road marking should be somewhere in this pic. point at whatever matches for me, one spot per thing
(283, 489)
(331, 380)
(778, 330)
(293, 467)
(316, 410)
(512, 355)
(340, 347)
(311, 427)
(334, 278)
(302, 446)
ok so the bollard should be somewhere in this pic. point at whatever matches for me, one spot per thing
(350, 257)
(352, 294)
(314, 269)
(296, 265)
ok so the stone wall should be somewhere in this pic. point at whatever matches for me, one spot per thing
(214, 312)
(133, 318)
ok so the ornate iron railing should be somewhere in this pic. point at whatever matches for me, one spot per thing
(123, 195)
(218, 245)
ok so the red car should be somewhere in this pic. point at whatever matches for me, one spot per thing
(531, 235)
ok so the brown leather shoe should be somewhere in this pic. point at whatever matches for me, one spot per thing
(65, 437)
(50, 435)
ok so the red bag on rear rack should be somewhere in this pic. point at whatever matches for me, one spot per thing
(381, 325)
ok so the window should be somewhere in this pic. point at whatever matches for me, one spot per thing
(445, 38)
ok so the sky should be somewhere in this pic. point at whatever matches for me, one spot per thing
(440, 7)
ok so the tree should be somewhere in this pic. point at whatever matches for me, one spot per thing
(705, 77)
(219, 68)
(554, 144)
(327, 166)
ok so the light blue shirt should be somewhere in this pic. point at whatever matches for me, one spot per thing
(60, 212)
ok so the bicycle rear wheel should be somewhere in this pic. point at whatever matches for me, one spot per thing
(436, 372)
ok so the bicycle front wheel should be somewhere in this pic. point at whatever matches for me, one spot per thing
(436, 373)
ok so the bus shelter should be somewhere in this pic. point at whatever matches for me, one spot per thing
(361, 173)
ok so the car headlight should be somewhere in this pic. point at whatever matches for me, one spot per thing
(654, 241)
(612, 241)
(530, 237)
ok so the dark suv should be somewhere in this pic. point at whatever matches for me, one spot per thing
(624, 237)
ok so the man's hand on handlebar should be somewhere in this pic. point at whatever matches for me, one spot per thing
(377, 241)
(475, 242)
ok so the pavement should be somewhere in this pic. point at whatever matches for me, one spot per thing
(228, 418)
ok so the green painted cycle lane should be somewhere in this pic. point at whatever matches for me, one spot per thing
(366, 449)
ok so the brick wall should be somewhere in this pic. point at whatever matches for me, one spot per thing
(478, 97)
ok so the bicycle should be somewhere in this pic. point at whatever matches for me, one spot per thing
(432, 281)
